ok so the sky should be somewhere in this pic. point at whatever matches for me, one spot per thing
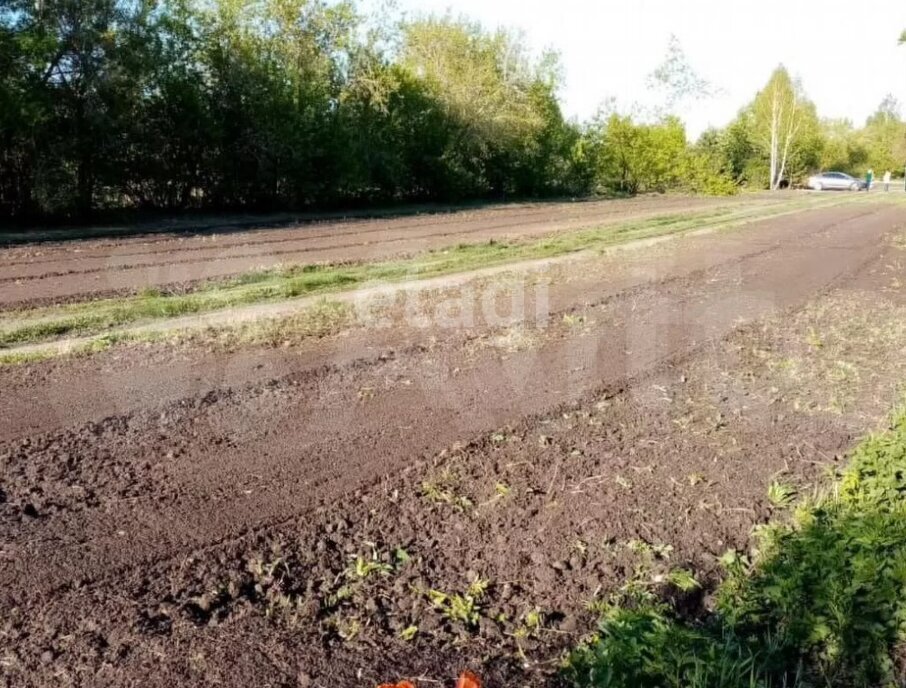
(845, 52)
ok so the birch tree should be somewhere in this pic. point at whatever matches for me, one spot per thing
(676, 82)
(782, 117)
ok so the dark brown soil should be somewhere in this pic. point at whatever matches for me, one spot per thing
(308, 515)
(72, 271)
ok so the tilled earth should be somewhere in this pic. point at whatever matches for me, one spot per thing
(457, 483)
(55, 272)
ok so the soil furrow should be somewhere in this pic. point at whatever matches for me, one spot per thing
(461, 482)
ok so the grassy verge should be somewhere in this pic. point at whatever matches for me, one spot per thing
(823, 604)
(319, 320)
(95, 317)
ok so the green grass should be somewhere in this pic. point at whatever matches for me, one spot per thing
(318, 320)
(823, 604)
(94, 317)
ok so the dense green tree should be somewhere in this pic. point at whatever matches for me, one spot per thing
(74, 72)
(634, 157)
(268, 103)
(217, 104)
(784, 127)
(884, 138)
(775, 140)
(843, 149)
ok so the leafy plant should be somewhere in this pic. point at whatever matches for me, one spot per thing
(443, 490)
(464, 608)
(823, 604)
(781, 495)
(363, 568)
(409, 633)
(683, 580)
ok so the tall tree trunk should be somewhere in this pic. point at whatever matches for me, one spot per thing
(791, 132)
(85, 173)
(775, 122)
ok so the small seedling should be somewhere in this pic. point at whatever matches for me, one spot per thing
(734, 561)
(532, 623)
(478, 587)
(683, 580)
(260, 568)
(639, 546)
(695, 479)
(409, 633)
(348, 629)
(814, 339)
(443, 491)
(342, 594)
(463, 608)
(656, 550)
(363, 568)
(781, 495)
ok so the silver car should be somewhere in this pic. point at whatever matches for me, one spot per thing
(837, 181)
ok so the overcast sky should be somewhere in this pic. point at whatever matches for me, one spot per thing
(846, 56)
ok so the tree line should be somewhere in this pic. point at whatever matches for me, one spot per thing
(779, 138)
(279, 104)
(171, 104)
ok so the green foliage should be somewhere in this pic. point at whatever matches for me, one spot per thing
(634, 157)
(274, 103)
(775, 140)
(463, 608)
(843, 150)
(780, 494)
(741, 151)
(265, 104)
(883, 139)
(880, 144)
(824, 604)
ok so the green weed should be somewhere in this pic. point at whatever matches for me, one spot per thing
(444, 490)
(409, 633)
(823, 604)
(780, 494)
(682, 580)
(464, 608)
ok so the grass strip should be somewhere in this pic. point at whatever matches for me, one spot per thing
(321, 319)
(823, 604)
(94, 317)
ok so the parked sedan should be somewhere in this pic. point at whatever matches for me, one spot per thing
(837, 181)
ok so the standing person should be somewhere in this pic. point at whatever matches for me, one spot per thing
(887, 180)
(869, 178)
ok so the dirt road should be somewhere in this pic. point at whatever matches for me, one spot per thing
(454, 485)
(54, 272)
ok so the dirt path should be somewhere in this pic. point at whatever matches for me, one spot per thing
(174, 516)
(71, 271)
